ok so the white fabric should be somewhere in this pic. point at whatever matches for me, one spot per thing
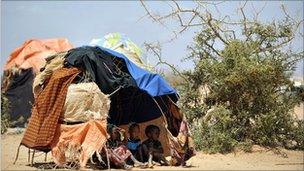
(85, 101)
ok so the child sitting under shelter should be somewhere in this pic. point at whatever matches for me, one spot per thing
(118, 152)
(134, 142)
(152, 149)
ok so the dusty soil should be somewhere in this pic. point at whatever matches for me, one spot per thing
(259, 159)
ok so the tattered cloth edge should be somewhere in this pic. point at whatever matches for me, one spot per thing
(89, 138)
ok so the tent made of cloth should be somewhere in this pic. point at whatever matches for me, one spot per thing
(139, 95)
(136, 95)
(33, 52)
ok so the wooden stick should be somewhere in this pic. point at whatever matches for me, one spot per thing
(108, 160)
(29, 155)
(33, 155)
(45, 158)
(17, 155)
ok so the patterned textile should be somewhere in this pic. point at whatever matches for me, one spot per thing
(47, 109)
(182, 146)
(119, 155)
(89, 137)
(174, 118)
(53, 63)
(85, 101)
(122, 44)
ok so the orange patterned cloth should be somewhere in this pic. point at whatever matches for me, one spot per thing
(47, 109)
(90, 137)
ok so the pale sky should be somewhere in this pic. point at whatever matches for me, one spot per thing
(81, 21)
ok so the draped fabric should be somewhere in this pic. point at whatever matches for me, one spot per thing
(153, 84)
(79, 141)
(78, 86)
(122, 44)
(17, 88)
(84, 102)
(47, 109)
(33, 52)
(101, 68)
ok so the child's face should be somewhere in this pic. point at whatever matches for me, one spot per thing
(115, 134)
(155, 134)
(135, 133)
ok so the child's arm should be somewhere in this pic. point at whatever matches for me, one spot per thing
(159, 148)
(125, 137)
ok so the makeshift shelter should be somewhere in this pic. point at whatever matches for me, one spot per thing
(136, 95)
(19, 71)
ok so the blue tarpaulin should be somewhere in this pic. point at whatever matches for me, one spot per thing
(153, 84)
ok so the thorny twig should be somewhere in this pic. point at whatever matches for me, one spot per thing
(157, 52)
(223, 28)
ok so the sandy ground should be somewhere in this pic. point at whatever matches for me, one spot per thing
(259, 159)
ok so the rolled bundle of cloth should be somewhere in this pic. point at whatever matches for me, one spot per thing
(53, 63)
(85, 101)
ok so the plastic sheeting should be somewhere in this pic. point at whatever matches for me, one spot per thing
(122, 44)
(33, 52)
(153, 84)
(100, 67)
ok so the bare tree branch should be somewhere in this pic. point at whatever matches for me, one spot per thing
(257, 13)
(212, 26)
(156, 50)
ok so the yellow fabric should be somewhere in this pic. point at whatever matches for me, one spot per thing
(85, 101)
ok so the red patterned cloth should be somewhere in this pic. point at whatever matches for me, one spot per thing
(47, 109)
(119, 155)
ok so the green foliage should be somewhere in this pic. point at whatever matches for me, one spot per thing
(242, 72)
(5, 120)
(216, 131)
(249, 83)
(297, 135)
